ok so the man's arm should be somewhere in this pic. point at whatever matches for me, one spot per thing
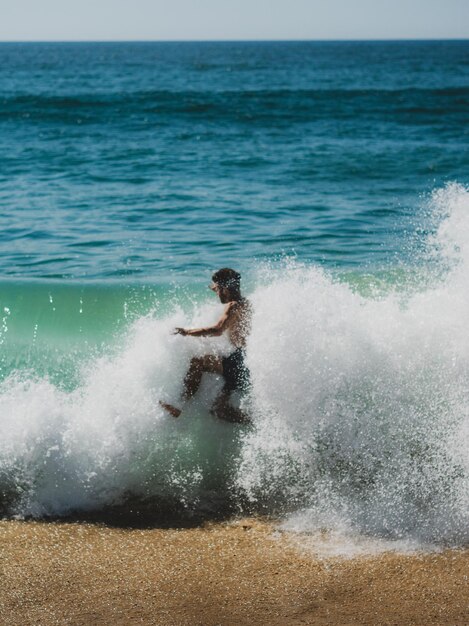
(210, 331)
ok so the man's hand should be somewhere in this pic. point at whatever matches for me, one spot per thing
(180, 331)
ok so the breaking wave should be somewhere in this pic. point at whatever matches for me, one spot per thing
(359, 404)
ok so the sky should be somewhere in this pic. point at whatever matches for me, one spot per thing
(104, 20)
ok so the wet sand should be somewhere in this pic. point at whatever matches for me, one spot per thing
(242, 573)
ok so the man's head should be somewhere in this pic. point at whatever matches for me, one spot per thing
(226, 282)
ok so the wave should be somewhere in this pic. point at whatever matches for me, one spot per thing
(359, 401)
(235, 104)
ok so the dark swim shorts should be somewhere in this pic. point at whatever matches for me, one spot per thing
(235, 372)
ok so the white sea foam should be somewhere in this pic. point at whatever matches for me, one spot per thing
(360, 408)
(110, 438)
(362, 404)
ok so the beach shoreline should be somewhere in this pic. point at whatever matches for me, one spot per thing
(240, 572)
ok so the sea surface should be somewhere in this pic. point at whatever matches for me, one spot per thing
(335, 177)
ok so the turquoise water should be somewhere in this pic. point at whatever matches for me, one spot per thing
(334, 177)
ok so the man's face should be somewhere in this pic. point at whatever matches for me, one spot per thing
(222, 292)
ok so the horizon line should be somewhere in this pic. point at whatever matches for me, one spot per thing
(247, 40)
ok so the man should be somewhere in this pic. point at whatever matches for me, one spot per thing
(236, 321)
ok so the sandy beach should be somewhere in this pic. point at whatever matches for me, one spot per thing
(243, 572)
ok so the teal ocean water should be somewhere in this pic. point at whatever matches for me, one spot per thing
(334, 176)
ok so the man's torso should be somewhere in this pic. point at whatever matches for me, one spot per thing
(239, 322)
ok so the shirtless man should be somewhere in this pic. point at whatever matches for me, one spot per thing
(236, 320)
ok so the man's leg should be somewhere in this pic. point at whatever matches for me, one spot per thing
(199, 365)
(226, 411)
(193, 378)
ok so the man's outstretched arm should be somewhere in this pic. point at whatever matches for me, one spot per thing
(209, 331)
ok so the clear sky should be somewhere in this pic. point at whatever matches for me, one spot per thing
(22, 20)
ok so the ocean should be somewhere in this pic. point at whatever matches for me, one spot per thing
(335, 177)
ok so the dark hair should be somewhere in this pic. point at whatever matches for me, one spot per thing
(226, 277)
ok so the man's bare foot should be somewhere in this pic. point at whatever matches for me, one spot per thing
(172, 410)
